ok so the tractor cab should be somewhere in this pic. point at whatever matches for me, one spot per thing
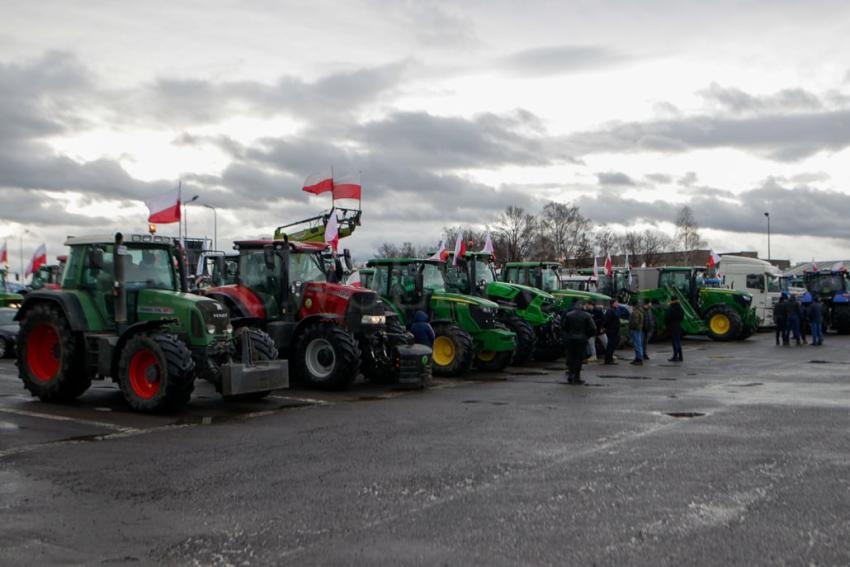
(215, 268)
(408, 284)
(546, 276)
(8, 298)
(832, 288)
(48, 276)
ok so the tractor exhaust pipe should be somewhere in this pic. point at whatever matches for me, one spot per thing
(182, 267)
(120, 285)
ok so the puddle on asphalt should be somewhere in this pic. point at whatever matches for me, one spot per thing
(748, 385)
(527, 372)
(8, 426)
(625, 377)
(471, 402)
(684, 414)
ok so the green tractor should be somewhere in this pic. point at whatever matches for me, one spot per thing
(722, 314)
(527, 311)
(545, 276)
(466, 327)
(124, 312)
(7, 297)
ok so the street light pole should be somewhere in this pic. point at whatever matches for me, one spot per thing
(215, 225)
(767, 215)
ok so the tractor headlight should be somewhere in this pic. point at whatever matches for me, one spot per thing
(373, 320)
(211, 329)
(229, 329)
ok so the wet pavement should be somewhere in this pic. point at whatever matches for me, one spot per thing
(739, 456)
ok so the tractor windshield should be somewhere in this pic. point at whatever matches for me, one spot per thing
(149, 268)
(432, 278)
(826, 284)
(306, 268)
(550, 280)
(484, 271)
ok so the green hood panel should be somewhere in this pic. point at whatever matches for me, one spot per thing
(467, 299)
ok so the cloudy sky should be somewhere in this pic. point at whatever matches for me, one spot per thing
(451, 110)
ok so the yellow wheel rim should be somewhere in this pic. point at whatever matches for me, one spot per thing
(486, 355)
(444, 351)
(720, 324)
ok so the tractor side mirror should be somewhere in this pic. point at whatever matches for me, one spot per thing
(95, 259)
(346, 254)
(268, 257)
(418, 284)
(220, 269)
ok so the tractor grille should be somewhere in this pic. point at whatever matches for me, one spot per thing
(485, 320)
(214, 313)
(360, 304)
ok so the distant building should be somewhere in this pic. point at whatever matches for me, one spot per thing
(677, 258)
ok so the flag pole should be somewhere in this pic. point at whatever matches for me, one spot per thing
(180, 204)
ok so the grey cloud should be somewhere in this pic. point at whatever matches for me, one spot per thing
(614, 178)
(662, 178)
(560, 59)
(737, 101)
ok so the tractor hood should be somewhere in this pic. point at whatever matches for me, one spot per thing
(200, 318)
(722, 291)
(527, 289)
(468, 299)
(583, 295)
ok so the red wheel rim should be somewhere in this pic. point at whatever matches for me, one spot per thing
(43, 353)
(145, 379)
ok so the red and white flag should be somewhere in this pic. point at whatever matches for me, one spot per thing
(814, 266)
(837, 267)
(460, 249)
(332, 231)
(441, 254)
(713, 259)
(347, 187)
(165, 209)
(595, 267)
(321, 182)
(39, 258)
(4, 254)
(488, 246)
(609, 266)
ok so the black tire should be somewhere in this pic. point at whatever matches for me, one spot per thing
(327, 357)
(162, 357)
(724, 324)
(4, 348)
(460, 342)
(51, 358)
(841, 319)
(262, 348)
(526, 339)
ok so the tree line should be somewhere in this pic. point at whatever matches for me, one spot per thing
(560, 232)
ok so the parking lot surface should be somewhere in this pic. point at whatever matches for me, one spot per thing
(739, 456)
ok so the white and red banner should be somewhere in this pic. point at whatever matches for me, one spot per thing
(460, 249)
(488, 246)
(321, 182)
(4, 254)
(165, 209)
(332, 231)
(609, 266)
(39, 258)
(347, 187)
(440, 254)
(713, 259)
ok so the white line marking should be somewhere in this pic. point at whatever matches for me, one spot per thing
(71, 419)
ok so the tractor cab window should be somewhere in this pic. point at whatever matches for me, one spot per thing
(514, 275)
(306, 268)
(457, 278)
(550, 280)
(827, 284)
(377, 280)
(680, 279)
(605, 284)
(432, 278)
(100, 280)
(784, 283)
(699, 279)
(149, 268)
(253, 272)
(484, 271)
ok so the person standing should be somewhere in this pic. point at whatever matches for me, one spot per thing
(636, 333)
(675, 316)
(423, 333)
(794, 319)
(780, 319)
(816, 321)
(599, 320)
(612, 331)
(577, 327)
(805, 303)
(648, 326)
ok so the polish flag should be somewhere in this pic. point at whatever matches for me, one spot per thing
(332, 231)
(814, 266)
(321, 182)
(609, 266)
(4, 254)
(39, 258)
(165, 209)
(488, 246)
(713, 259)
(460, 249)
(347, 187)
(595, 267)
(441, 254)
(837, 267)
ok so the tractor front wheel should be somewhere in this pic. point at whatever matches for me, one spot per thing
(723, 323)
(327, 357)
(452, 351)
(50, 360)
(155, 373)
(262, 348)
(526, 339)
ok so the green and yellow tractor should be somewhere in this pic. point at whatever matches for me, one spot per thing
(528, 311)
(124, 312)
(466, 327)
(545, 276)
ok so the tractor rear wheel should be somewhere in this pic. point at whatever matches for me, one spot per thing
(526, 339)
(327, 357)
(262, 348)
(452, 351)
(156, 373)
(4, 348)
(841, 319)
(50, 358)
(723, 323)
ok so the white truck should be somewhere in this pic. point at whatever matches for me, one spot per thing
(762, 279)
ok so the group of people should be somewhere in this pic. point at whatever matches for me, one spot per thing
(793, 317)
(587, 323)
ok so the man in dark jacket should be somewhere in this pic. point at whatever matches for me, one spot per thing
(675, 316)
(794, 313)
(577, 326)
(816, 321)
(780, 319)
(423, 333)
(612, 331)
(648, 325)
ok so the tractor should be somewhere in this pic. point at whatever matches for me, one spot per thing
(832, 288)
(7, 297)
(722, 314)
(466, 327)
(326, 330)
(124, 312)
(527, 311)
(545, 276)
(49, 276)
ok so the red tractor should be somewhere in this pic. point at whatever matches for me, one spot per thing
(328, 331)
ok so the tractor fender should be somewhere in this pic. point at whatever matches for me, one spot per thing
(236, 309)
(68, 303)
(130, 332)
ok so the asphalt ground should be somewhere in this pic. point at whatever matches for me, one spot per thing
(738, 456)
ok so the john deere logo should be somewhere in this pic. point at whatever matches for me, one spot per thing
(308, 303)
(424, 360)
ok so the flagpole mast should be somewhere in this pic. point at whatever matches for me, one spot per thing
(180, 204)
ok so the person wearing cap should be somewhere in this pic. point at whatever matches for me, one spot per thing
(675, 315)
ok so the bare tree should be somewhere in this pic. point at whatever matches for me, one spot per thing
(606, 241)
(516, 230)
(388, 250)
(687, 233)
(562, 231)
(654, 243)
